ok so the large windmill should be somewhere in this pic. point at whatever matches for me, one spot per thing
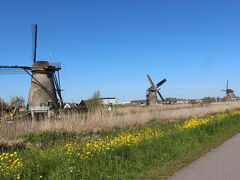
(229, 93)
(153, 91)
(45, 91)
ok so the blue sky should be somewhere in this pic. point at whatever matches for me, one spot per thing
(110, 45)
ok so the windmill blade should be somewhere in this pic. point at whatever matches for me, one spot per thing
(227, 85)
(161, 83)
(160, 95)
(15, 67)
(9, 71)
(34, 28)
(150, 80)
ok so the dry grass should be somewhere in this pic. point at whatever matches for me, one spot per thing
(12, 144)
(119, 117)
(136, 109)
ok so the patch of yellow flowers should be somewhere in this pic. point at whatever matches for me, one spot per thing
(109, 143)
(9, 164)
(198, 121)
(90, 148)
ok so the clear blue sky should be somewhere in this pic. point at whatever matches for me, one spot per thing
(110, 45)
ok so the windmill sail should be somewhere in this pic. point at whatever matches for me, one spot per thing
(161, 83)
(35, 29)
(160, 96)
(9, 71)
(150, 81)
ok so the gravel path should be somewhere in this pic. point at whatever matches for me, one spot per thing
(222, 163)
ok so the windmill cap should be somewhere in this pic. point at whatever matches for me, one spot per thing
(43, 65)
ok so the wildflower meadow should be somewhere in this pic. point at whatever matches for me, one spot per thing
(117, 154)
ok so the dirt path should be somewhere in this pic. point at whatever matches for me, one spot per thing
(222, 163)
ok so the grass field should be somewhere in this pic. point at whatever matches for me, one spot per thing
(139, 151)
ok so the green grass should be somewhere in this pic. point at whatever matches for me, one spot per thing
(158, 157)
(203, 140)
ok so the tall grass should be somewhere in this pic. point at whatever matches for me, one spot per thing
(102, 119)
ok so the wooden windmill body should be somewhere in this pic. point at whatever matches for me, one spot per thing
(42, 92)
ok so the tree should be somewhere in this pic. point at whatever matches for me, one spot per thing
(192, 101)
(3, 107)
(209, 99)
(17, 101)
(96, 95)
(3, 104)
(2, 101)
(171, 100)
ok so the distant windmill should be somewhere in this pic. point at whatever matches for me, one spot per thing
(153, 91)
(45, 90)
(229, 93)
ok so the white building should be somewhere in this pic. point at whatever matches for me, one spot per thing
(108, 100)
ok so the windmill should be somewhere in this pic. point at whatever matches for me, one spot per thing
(229, 93)
(153, 90)
(45, 91)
